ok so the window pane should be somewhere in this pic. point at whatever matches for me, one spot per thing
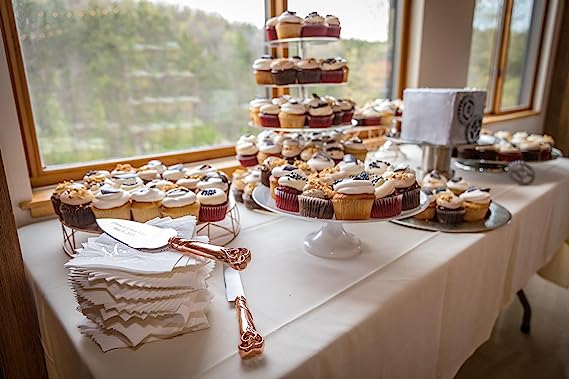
(484, 46)
(115, 79)
(367, 37)
(523, 46)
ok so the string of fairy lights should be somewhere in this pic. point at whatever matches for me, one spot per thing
(52, 30)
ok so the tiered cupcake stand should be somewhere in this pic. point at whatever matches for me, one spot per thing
(219, 232)
(331, 240)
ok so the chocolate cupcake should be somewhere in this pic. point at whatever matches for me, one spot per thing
(59, 190)
(487, 152)
(316, 200)
(283, 71)
(449, 210)
(406, 185)
(75, 207)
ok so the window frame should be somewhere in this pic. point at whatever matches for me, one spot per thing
(499, 69)
(43, 176)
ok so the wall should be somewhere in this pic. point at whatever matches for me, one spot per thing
(11, 146)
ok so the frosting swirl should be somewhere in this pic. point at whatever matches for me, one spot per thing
(109, 197)
(294, 180)
(383, 187)
(320, 161)
(434, 179)
(178, 197)
(475, 195)
(246, 148)
(263, 63)
(212, 196)
(354, 187)
(147, 195)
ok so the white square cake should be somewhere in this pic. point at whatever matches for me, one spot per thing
(442, 116)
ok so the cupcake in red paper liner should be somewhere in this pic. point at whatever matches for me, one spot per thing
(406, 185)
(530, 150)
(348, 109)
(269, 116)
(283, 71)
(288, 189)
(75, 207)
(247, 153)
(320, 113)
(371, 117)
(213, 205)
(313, 26)
(316, 200)
(449, 210)
(308, 71)
(333, 26)
(331, 71)
(214, 180)
(354, 198)
(270, 29)
(278, 172)
(387, 203)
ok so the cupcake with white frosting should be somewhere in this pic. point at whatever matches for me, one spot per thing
(353, 199)
(377, 167)
(262, 70)
(316, 200)
(270, 28)
(313, 25)
(449, 208)
(434, 180)
(269, 116)
(289, 25)
(356, 147)
(268, 148)
(146, 203)
(320, 113)
(387, 202)
(213, 205)
(75, 207)
(457, 185)
(430, 212)
(476, 204)
(406, 185)
(247, 154)
(112, 202)
(179, 202)
(288, 189)
(292, 114)
(332, 26)
(175, 172)
(320, 161)
(162, 184)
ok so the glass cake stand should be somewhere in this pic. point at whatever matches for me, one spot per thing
(331, 240)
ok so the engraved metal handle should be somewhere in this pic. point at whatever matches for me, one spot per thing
(251, 343)
(235, 257)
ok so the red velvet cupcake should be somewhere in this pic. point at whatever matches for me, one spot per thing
(247, 154)
(313, 26)
(269, 116)
(509, 153)
(288, 189)
(270, 29)
(331, 71)
(320, 113)
(213, 205)
(387, 202)
(347, 107)
(333, 26)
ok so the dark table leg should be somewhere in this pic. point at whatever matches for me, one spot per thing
(525, 327)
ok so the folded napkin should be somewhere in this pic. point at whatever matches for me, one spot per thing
(130, 297)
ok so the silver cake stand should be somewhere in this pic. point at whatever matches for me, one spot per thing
(331, 240)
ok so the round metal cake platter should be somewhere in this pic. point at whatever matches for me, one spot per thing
(497, 216)
(331, 240)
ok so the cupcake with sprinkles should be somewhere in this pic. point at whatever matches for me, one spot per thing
(288, 189)
(449, 208)
(213, 205)
(406, 185)
(387, 203)
(316, 200)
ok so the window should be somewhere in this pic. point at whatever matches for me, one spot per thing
(367, 42)
(504, 54)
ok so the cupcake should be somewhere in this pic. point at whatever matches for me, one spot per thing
(268, 149)
(406, 185)
(377, 167)
(544, 151)
(348, 109)
(345, 69)
(96, 174)
(283, 71)
(252, 180)
(270, 29)
(59, 190)
(267, 166)
(247, 154)
(112, 202)
(509, 153)
(238, 184)
(476, 204)
(201, 171)
(331, 71)
(123, 168)
(487, 152)
(179, 202)
(269, 116)
(315, 201)
(320, 161)
(351, 166)
(279, 172)
(353, 199)
(157, 165)
(262, 70)
(434, 180)
(190, 182)
(332, 26)
(308, 152)
(429, 213)
(161, 184)
(288, 189)
(308, 71)
(175, 172)
(147, 174)
(449, 208)
(371, 117)
(255, 109)
(335, 150)
(213, 205)
(519, 137)
(313, 26)
(146, 203)
(356, 147)
(289, 25)
(128, 182)
(387, 203)
(503, 135)
(291, 149)
(292, 115)
(320, 114)
(530, 150)
(75, 207)
(220, 182)
(457, 185)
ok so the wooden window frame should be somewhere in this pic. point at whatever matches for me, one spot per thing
(495, 113)
(42, 176)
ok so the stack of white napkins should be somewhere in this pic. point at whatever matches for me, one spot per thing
(131, 297)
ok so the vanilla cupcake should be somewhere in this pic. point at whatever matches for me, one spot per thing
(292, 115)
(200, 171)
(146, 204)
(434, 180)
(353, 199)
(175, 172)
(179, 202)
(289, 25)
(148, 174)
(476, 204)
(291, 149)
(430, 212)
(112, 202)
(190, 183)
(128, 182)
(457, 185)
(262, 70)
(356, 147)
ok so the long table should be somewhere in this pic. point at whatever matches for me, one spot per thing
(413, 304)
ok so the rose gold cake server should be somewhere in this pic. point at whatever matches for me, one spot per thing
(143, 236)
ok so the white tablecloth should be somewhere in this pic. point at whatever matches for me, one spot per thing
(414, 304)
